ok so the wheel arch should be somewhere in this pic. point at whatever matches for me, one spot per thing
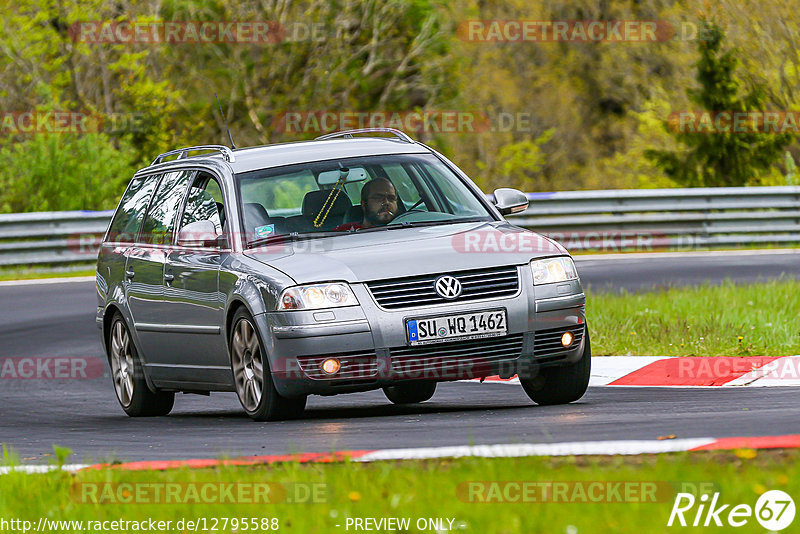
(108, 314)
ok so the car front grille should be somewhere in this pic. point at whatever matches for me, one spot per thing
(419, 290)
(548, 342)
(456, 360)
(354, 365)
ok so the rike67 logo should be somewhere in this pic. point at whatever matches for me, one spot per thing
(774, 510)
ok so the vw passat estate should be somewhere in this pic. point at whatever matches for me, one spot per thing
(348, 263)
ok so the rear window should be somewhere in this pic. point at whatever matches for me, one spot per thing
(128, 219)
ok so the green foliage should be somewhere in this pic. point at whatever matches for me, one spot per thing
(635, 493)
(791, 170)
(520, 163)
(64, 172)
(604, 102)
(720, 158)
(61, 454)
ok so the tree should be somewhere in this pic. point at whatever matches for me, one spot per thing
(720, 158)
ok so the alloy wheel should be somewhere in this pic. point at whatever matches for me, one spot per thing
(248, 365)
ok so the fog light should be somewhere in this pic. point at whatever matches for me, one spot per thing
(566, 339)
(331, 366)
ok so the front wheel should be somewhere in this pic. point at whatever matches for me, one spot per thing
(252, 375)
(410, 393)
(563, 384)
(129, 383)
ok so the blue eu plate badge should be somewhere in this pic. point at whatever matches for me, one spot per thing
(412, 330)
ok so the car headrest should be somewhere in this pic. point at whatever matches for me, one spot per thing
(313, 201)
(354, 214)
(255, 215)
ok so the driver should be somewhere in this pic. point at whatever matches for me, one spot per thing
(378, 202)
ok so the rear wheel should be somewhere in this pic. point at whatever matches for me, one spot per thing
(563, 384)
(252, 375)
(126, 370)
(410, 393)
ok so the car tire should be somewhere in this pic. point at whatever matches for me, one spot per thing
(133, 394)
(562, 384)
(252, 376)
(410, 393)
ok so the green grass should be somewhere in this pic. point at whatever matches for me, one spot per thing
(38, 273)
(425, 489)
(728, 320)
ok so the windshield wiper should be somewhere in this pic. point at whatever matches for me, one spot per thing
(293, 236)
(419, 224)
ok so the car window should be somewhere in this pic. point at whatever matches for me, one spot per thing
(453, 196)
(128, 219)
(279, 195)
(205, 202)
(159, 224)
(402, 180)
(306, 197)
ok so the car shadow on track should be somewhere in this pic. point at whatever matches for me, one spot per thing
(366, 412)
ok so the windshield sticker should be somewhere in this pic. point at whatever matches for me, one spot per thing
(265, 231)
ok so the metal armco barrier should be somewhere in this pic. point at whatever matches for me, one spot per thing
(650, 219)
(608, 220)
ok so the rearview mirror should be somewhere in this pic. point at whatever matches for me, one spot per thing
(353, 174)
(508, 200)
(199, 234)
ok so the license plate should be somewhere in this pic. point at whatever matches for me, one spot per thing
(462, 326)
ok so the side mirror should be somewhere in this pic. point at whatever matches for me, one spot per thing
(508, 200)
(199, 234)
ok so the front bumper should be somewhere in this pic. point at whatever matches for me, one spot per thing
(370, 342)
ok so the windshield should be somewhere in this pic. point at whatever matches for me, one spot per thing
(354, 194)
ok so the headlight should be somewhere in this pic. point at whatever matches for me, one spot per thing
(317, 296)
(553, 270)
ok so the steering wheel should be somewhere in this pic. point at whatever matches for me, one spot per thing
(412, 209)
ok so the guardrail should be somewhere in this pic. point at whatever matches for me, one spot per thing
(610, 220)
(666, 218)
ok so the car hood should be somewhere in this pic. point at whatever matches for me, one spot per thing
(358, 257)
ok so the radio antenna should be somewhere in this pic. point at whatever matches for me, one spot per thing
(225, 121)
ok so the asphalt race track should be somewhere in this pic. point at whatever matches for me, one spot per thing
(53, 320)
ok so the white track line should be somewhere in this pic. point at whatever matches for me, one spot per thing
(30, 469)
(626, 447)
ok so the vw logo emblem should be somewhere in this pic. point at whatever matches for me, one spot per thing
(448, 287)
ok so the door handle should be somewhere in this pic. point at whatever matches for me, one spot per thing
(169, 277)
(129, 275)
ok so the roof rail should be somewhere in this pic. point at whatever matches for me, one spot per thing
(348, 134)
(226, 152)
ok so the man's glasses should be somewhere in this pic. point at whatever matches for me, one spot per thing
(382, 198)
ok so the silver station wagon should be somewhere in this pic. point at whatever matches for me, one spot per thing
(352, 262)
